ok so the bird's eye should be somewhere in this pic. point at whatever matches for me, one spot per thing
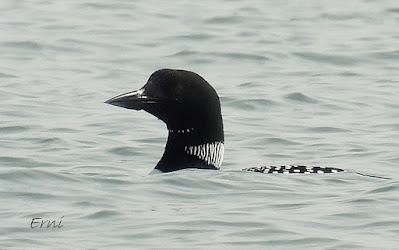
(178, 91)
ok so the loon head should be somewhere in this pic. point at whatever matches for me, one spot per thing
(190, 108)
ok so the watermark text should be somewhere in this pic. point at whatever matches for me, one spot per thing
(38, 222)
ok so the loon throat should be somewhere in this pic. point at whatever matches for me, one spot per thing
(211, 153)
(191, 148)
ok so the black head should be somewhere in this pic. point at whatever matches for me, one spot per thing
(185, 101)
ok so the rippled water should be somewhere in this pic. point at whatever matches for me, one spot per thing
(304, 82)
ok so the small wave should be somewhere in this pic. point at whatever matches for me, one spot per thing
(13, 129)
(193, 37)
(29, 195)
(281, 141)
(124, 151)
(66, 49)
(392, 10)
(308, 242)
(340, 17)
(386, 189)
(349, 73)
(328, 59)
(23, 45)
(300, 98)
(108, 6)
(249, 85)
(103, 214)
(59, 26)
(3, 75)
(390, 55)
(244, 56)
(251, 104)
(32, 175)
(229, 55)
(223, 20)
(184, 53)
(15, 161)
(328, 130)
(386, 223)
(64, 130)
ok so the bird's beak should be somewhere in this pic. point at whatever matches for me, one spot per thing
(132, 100)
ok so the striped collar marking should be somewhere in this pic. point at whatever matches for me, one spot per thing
(211, 153)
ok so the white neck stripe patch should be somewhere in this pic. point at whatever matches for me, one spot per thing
(181, 131)
(212, 153)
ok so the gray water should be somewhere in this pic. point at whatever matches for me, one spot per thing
(301, 82)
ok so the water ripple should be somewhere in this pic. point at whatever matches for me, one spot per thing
(13, 129)
(385, 189)
(328, 130)
(125, 151)
(392, 10)
(224, 19)
(340, 60)
(102, 214)
(300, 98)
(250, 104)
(225, 55)
(4, 75)
(23, 45)
(314, 85)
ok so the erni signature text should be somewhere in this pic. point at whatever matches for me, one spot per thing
(46, 223)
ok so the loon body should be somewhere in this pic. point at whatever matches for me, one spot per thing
(190, 108)
(293, 169)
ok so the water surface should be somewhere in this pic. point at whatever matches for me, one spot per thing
(312, 83)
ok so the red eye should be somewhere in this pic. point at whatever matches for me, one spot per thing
(178, 90)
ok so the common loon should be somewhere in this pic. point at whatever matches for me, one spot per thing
(190, 107)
